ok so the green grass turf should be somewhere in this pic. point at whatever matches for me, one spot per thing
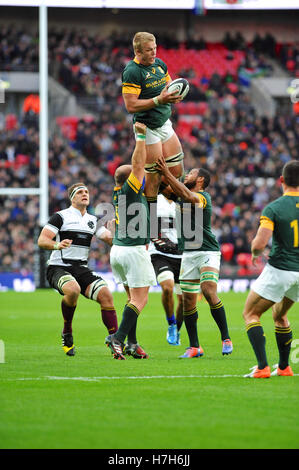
(172, 404)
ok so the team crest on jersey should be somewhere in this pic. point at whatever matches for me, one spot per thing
(153, 70)
(90, 224)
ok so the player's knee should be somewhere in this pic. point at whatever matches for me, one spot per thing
(139, 301)
(166, 280)
(188, 303)
(105, 298)
(71, 289)
(167, 292)
(249, 316)
(98, 290)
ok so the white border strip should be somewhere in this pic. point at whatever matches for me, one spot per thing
(142, 377)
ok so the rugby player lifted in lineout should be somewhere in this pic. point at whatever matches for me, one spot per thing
(144, 90)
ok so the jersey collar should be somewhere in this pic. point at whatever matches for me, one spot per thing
(291, 193)
(77, 211)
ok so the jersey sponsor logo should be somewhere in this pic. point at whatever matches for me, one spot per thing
(148, 75)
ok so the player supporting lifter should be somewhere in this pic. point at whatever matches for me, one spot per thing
(130, 260)
(167, 267)
(278, 284)
(201, 257)
(145, 94)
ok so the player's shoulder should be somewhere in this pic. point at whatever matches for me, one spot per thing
(131, 67)
(64, 213)
(204, 198)
(274, 207)
(131, 64)
(160, 63)
(275, 204)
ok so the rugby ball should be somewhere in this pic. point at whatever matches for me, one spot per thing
(180, 85)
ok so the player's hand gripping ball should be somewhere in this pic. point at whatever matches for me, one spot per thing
(180, 85)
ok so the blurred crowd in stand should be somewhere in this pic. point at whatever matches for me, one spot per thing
(244, 152)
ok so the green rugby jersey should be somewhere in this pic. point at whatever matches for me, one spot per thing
(282, 216)
(188, 224)
(147, 82)
(132, 224)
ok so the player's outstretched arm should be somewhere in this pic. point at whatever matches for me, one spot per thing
(139, 154)
(178, 188)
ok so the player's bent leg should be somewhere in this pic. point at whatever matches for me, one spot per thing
(280, 310)
(99, 292)
(190, 318)
(209, 278)
(255, 306)
(139, 296)
(174, 156)
(70, 289)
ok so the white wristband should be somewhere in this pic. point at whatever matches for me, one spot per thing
(156, 101)
(56, 246)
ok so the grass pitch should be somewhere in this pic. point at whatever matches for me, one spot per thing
(90, 401)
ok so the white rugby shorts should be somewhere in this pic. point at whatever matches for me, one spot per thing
(194, 261)
(131, 266)
(160, 134)
(275, 284)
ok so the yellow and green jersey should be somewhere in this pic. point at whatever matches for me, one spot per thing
(195, 225)
(147, 82)
(132, 224)
(282, 217)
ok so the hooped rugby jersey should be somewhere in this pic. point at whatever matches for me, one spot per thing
(71, 224)
(166, 213)
(147, 82)
(282, 217)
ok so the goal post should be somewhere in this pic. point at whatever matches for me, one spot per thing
(42, 191)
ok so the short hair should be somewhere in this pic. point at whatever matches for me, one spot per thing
(140, 38)
(121, 174)
(206, 176)
(290, 173)
(71, 188)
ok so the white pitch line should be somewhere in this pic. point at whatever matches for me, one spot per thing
(142, 377)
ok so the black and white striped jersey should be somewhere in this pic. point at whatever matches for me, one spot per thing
(71, 224)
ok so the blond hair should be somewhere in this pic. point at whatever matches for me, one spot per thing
(140, 38)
